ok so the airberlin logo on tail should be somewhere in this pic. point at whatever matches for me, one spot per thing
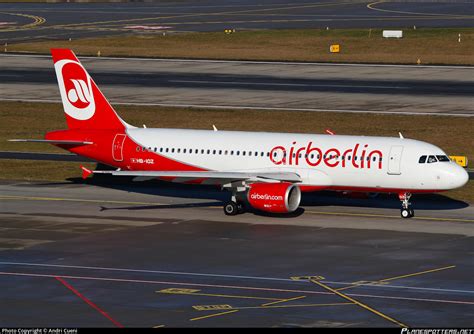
(75, 86)
(80, 93)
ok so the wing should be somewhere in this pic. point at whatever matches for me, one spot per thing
(205, 177)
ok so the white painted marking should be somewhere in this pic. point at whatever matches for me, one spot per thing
(468, 113)
(247, 62)
(284, 84)
(370, 285)
(106, 279)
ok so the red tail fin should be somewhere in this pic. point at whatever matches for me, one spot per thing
(84, 104)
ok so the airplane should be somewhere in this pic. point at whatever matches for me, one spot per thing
(264, 171)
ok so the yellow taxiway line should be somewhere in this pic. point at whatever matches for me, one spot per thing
(368, 308)
(396, 277)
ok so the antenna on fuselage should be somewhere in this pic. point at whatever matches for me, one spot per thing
(214, 127)
(401, 136)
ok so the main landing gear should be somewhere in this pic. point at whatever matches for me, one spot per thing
(233, 208)
(236, 204)
(406, 210)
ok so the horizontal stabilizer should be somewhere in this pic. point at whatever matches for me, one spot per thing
(53, 142)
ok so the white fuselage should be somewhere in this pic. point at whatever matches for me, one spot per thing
(336, 162)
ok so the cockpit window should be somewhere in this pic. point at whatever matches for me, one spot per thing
(443, 158)
(432, 159)
(422, 159)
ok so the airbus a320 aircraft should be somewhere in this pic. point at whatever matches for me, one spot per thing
(267, 171)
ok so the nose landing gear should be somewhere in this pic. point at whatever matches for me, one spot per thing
(406, 210)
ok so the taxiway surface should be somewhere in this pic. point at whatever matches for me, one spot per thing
(27, 21)
(446, 90)
(74, 254)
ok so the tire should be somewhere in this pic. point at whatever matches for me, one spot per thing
(412, 212)
(231, 209)
(405, 213)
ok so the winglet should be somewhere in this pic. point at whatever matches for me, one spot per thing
(85, 172)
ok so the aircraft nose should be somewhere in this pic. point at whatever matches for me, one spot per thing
(462, 177)
(452, 176)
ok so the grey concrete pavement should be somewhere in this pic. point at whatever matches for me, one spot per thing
(288, 86)
(27, 22)
(161, 256)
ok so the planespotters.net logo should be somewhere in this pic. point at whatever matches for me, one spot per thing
(266, 197)
(437, 331)
(75, 86)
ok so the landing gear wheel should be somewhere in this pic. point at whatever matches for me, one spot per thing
(405, 213)
(231, 209)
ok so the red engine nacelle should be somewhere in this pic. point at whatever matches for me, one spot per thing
(274, 197)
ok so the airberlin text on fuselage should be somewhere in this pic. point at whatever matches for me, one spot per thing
(357, 157)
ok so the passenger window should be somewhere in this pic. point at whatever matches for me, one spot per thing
(443, 158)
(172, 150)
(432, 159)
(167, 149)
(202, 151)
(238, 152)
(208, 151)
(138, 148)
(179, 150)
(243, 152)
(422, 159)
(184, 150)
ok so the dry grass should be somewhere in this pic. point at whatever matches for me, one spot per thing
(450, 133)
(33, 170)
(431, 46)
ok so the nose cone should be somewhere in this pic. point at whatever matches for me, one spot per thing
(464, 178)
(459, 177)
(450, 176)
